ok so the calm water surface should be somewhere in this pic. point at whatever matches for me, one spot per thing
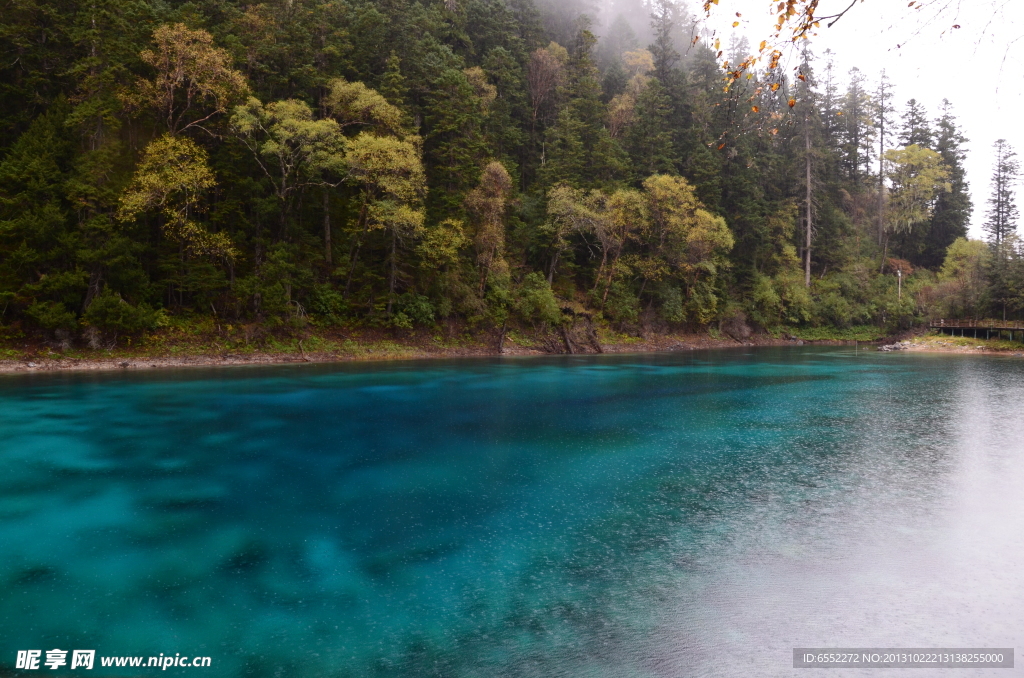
(669, 515)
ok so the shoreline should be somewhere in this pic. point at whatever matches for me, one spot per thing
(122, 359)
(975, 347)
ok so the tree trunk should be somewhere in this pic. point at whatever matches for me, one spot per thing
(501, 336)
(328, 257)
(881, 177)
(807, 168)
(392, 274)
(611, 275)
(568, 342)
(600, 269)
(551, 271)
(354, 254)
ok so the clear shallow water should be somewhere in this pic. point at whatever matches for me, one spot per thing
(669, 515)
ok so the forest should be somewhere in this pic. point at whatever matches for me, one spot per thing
(479, 164)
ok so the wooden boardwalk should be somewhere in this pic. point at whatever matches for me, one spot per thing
(974, 327)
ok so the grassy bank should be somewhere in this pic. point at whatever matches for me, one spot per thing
(205, 341)
(944, 342)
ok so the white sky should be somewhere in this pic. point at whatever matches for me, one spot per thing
(979, 68)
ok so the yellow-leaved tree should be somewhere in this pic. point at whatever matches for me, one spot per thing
(293, 149)
(170, 180)
(690, 241)
(916, 176)
(487, 204)
(193, 82)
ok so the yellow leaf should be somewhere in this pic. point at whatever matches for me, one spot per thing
(735, 24)
(764, 43)
(755, 109)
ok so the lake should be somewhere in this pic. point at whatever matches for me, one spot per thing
(691, 514)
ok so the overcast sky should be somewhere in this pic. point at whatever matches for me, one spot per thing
(979, 67)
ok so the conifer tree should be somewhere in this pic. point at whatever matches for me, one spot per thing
(915, 129)
(882, 112)
(1002, 216)
(857, 133)
(953, 208)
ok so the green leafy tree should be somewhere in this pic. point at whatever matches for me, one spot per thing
(293, 149)
(963, 272)
(171, 179)
(388, 173)
(917, 177)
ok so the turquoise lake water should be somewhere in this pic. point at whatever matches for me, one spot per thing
(695, 514)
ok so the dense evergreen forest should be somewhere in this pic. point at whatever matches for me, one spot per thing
(487, 163)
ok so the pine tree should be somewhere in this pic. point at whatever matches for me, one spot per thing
(882, 112)
(953, 209)
(808, 123)
(1002, 214)
(857, 145)
(664, 17)
(579, 148)
(649, 139)
(915, 129)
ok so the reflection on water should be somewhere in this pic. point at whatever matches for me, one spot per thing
(696, 515)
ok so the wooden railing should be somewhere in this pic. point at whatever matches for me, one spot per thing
(976, 323)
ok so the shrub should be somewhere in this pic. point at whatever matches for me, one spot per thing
(110, 313)
(328, 304)
(673, 305)
(622, 304)
(535, 302)
(416, 308)
(52, 315)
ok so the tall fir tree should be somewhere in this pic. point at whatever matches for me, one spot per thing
(952, 213)
(1001, 220)
(914, 126)
(883, 121)
(857, 147)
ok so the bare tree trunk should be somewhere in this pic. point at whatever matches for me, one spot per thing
(551, 271)
(328, 257)
(568, 342)
(95, 278)
(391, 276)
(881, 160)
(807, 167)
(881, 202)
(354, 254)
(501, 336)
(600, 269)
(611, 275)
